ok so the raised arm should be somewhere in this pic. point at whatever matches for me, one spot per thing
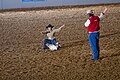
(57, 30)
(102, 15)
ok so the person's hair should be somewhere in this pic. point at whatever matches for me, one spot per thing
(90, 15)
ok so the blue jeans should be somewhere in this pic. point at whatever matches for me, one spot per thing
(47, 41)
(94, 43)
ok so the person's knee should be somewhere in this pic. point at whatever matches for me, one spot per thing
(45, 40)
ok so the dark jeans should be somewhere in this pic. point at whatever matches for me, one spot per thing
(94, 43)
(47, 41)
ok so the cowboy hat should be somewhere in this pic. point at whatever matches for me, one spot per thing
(50, 26)
(90, 11)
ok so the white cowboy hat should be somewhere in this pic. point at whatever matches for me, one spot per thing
(90, 11)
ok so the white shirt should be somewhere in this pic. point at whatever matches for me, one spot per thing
(51, 34)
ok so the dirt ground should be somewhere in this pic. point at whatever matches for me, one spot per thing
(21, 45)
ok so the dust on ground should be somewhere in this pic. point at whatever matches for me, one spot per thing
(21, 46)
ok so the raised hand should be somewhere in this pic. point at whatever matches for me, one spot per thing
(62, 25)
(105, 11)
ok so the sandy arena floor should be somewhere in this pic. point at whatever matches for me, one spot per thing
(22, 56)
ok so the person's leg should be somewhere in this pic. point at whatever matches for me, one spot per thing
(93, 37)
(46, 41)
(98, 48)
(54, 41)
(56, 44)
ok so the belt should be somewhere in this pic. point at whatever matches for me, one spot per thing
(94, 32)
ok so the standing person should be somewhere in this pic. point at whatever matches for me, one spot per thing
(93, 25)
(50, 41)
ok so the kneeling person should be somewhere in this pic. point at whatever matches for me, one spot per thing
(50, 41)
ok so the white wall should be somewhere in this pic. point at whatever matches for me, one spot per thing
(10, 4)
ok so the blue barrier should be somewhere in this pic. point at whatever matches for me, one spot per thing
(14, 4)
(32, 0)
